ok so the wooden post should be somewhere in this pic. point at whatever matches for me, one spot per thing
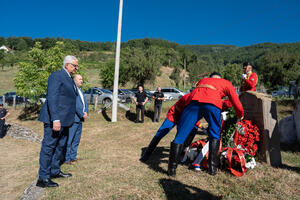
(4, 100)
(14, 102)
(24, 102)
(96, 101)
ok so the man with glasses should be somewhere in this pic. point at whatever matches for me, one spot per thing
(57, 114)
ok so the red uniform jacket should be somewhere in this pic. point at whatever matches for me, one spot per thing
(212, 90)
(249, 83)
(226, 105)
(176, 110)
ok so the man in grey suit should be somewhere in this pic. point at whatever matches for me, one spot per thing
(76, 129)
(57, 114)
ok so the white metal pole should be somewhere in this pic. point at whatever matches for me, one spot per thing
(117, 64)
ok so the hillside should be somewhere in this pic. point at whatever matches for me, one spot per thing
(143, 61)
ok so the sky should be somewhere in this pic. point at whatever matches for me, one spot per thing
(193, 22)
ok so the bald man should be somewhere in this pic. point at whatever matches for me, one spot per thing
(75, 131)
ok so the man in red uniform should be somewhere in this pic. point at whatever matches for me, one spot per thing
(172, 119)
(249, 78)
(206, 102)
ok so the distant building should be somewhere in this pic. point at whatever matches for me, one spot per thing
(6, 49)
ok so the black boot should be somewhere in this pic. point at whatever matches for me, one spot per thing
(188, 141)
(174, 157)
(213, 158)
(150, 149)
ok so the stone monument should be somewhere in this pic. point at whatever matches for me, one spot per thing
(262, 111)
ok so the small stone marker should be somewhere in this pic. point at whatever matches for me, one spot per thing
(262, 111)
(296, 115)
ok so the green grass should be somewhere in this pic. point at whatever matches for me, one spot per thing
(6, 76)
(109, 167)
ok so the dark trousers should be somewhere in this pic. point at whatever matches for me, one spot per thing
(157, 111)
(138, 109)
(2, 130)
(52, 151)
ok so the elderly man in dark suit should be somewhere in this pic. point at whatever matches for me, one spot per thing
(76, 129)
(57, 114)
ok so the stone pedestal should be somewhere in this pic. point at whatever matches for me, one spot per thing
(296, 115)
(287, 129)
(262, 111)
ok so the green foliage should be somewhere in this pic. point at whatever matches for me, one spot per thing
(233, 73)
(175, 76)
(2, 54)
(107, 71)
(32, 78)
(279, 68)
(229, 129)
(141, 65)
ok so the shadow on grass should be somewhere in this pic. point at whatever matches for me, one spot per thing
(149, 114)
(177, 190)
(104, 114)
(130, 116)
(287, 167)
(30, 112)
(156, 159)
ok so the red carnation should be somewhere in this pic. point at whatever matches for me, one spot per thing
(255, 147)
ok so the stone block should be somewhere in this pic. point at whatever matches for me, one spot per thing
(262, 111)
(287, 129)
(297, 121)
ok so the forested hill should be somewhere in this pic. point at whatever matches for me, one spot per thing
(141, 59)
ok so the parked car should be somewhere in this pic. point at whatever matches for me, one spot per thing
(172, 93)
(104, 96)
(280, 93)
(128, 92)
(9, 98)
(124, 96)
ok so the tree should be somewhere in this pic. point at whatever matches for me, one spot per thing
(107, 71)
(233, 73)
(32, 78)
(2, 55)
(21, 45)
(141, 65)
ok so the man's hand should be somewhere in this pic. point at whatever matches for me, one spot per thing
(85, 115)
(56, 126)
(2, 118)
(240, 119)
(143, 103)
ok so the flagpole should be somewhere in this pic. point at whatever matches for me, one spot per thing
(117, 64)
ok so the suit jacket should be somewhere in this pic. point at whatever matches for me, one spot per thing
(79, 108)
(60, 101)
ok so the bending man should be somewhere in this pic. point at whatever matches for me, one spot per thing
(206, 102)
(171, 120)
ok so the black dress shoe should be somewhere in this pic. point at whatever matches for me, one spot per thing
(62, 175)
(46, 183)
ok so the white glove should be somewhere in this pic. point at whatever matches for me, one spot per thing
(244, 76)
(224, 115)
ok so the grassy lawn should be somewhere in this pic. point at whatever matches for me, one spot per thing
(109, 167)
(6, 77)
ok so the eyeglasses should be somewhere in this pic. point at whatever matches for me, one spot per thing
(76, 66)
